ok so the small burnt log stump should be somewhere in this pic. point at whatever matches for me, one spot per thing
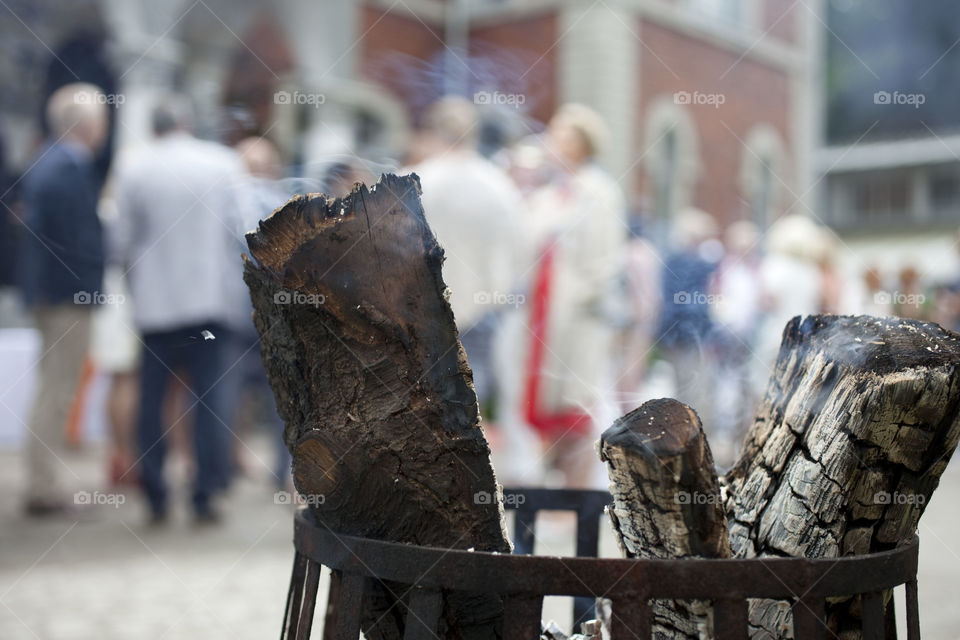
(362, 353)
(666, 500)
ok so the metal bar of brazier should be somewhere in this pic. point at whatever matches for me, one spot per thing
(630, 584)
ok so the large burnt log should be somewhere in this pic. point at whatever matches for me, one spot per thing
(859, 421)
(362, 353)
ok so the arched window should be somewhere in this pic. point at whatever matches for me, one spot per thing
(761, 196)
(666, 175)
(764, 175)
(671, 156)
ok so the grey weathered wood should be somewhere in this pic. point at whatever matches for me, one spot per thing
(666, 499)
(362, 353)
(859, 420)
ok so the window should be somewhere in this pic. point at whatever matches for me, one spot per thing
(666, 175)
(764, 174)
(761, 199)
(671, 157)
(880, 196)
(945, 193)
(895, 198)
(728, 12)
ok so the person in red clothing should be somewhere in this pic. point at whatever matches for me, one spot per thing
(578, 234)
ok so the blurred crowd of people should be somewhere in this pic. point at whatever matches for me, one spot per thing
(573, 307)
(140, 274)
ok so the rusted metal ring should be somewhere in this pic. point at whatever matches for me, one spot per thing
(689, 578)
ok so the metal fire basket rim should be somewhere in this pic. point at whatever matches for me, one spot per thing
(615, 578)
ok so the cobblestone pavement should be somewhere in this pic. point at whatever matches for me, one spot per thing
(114, 578)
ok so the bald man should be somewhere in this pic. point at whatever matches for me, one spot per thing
(472, 206)
(61, 276)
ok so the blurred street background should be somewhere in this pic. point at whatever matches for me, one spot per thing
(633, 196)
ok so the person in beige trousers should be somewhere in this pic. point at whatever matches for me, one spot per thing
(61, 277)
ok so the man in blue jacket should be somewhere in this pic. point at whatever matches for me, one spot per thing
(61, 271)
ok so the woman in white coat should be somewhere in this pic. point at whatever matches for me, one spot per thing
(576, 237)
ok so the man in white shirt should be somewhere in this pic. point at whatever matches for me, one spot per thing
(176, 238)
(471, 205)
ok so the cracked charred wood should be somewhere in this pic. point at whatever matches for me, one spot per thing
(666, 500)
(362, 353)
(858, 422)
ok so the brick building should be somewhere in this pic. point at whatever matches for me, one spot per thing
(710, 101)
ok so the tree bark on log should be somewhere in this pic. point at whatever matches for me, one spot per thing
(362, 353)
(667, 500)
(858, 422)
